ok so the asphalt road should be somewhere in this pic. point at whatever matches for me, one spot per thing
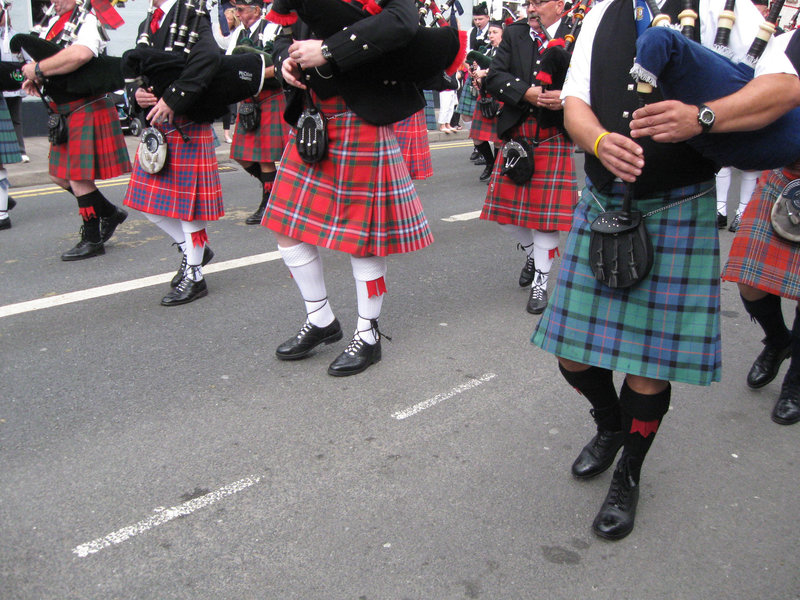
(152, 452)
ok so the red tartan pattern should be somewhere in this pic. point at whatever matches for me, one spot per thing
(359, 199)
(266, 143)
(483, 129)
(188, 186)
(545, 202)
(758, 257)
(96, 148)
(412, 137)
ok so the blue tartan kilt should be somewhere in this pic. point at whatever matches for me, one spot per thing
(9, 147)
(667, 326)
(469, 98)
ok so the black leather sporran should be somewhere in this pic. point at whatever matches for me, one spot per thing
(57, 129)
(620, 250)
(249, 116)
(312, 133)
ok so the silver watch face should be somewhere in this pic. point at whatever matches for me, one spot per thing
(706, 116)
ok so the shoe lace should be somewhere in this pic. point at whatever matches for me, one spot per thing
(307, 326)
(355, 346)
(537, 291)
(188, 278)
(622, 484)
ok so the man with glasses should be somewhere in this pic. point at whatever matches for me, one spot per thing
(524, 76)
(261, 134)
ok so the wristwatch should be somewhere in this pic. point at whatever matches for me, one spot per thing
(37, 70)
(326, 53)
(706, 117)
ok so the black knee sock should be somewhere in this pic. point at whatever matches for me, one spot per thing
(641, 416)
(91, 218)
(254, 169)
(267, 179)
(485, 148)
(794, 364)
(767, 313)
(597, 385)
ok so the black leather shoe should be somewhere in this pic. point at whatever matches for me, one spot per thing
(487, 173)
(598, 454)
(766, 366)
(187, 291)
(480, 161)
(537, 301)
(5, 223)
(475, 154)
(208, 254)
(256, 217)
(787, 409)
(109, 224)
(11, 203)
(84, 249)
(309, 337)
(737, 220)
(526, 275)
(722, 221)
(357, 357)
(616, 517)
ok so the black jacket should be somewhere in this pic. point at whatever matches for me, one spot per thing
(372, 95)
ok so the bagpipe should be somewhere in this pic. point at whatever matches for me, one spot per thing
(238, 76)
(100, 75)
(431, 50)
(687, 71)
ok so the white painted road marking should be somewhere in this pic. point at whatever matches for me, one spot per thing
(472, 383)
(163, 516)
(127, 286)
(463, 217)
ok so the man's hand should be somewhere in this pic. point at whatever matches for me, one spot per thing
(667, 121)
(160, 112)
(29, 71)
(307, 53)
(621, 155)
(532, 94)
(551, 100)
(145, 97)
(292, 73)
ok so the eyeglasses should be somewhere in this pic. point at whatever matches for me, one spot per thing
(538, 2)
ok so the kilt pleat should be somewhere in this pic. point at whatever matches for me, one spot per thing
(468, 98)
(412, 137)
(359, 199)
(483, 129)
(546, 201)
(667, 326)
(188, 186)
(266, 143)
(758, 257)
(9, 146)
(96, 147)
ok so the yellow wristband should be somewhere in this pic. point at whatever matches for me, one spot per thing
(597, 142)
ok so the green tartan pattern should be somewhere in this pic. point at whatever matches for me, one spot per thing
(9, 146)
(667, 326)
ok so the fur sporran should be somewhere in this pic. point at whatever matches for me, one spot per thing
(312, 133)
(518, 162)
(249, 116)
(620, 250)
(57, 129)
(488, 106)
(785, 214)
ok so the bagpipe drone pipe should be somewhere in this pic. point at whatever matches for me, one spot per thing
(431, 50)
(691, 73)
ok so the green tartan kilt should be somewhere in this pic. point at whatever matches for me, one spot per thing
(667, 326)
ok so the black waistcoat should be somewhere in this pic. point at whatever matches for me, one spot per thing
(614, 99)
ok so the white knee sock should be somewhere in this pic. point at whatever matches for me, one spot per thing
(746, 189)
(369, 274)
(723, 185)
(172, 227)
(194, 233)
(3, 193)
(523, 235)
(305, 264)
(545, 246)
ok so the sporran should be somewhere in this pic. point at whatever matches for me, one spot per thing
(312, 133)
(785, 214)
(518, 163)
(249, 116)
(57, 128)
(152, 150)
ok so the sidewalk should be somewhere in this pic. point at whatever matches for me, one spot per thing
(35, 172)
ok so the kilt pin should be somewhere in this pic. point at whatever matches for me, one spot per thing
(758, 257)
(266, 143)
(412, 137)
(188, 187)
(667, 326)
(546, 201)
(360, 199)
(95, 148)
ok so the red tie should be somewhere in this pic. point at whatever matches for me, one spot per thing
(155, 19)
(58, 26)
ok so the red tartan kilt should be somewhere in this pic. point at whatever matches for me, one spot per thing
(266, 143)
(96, 148)
(547, 200)
(482, 129)
(412, 137)
(758, 257)
(359, 199)
(188, 186)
